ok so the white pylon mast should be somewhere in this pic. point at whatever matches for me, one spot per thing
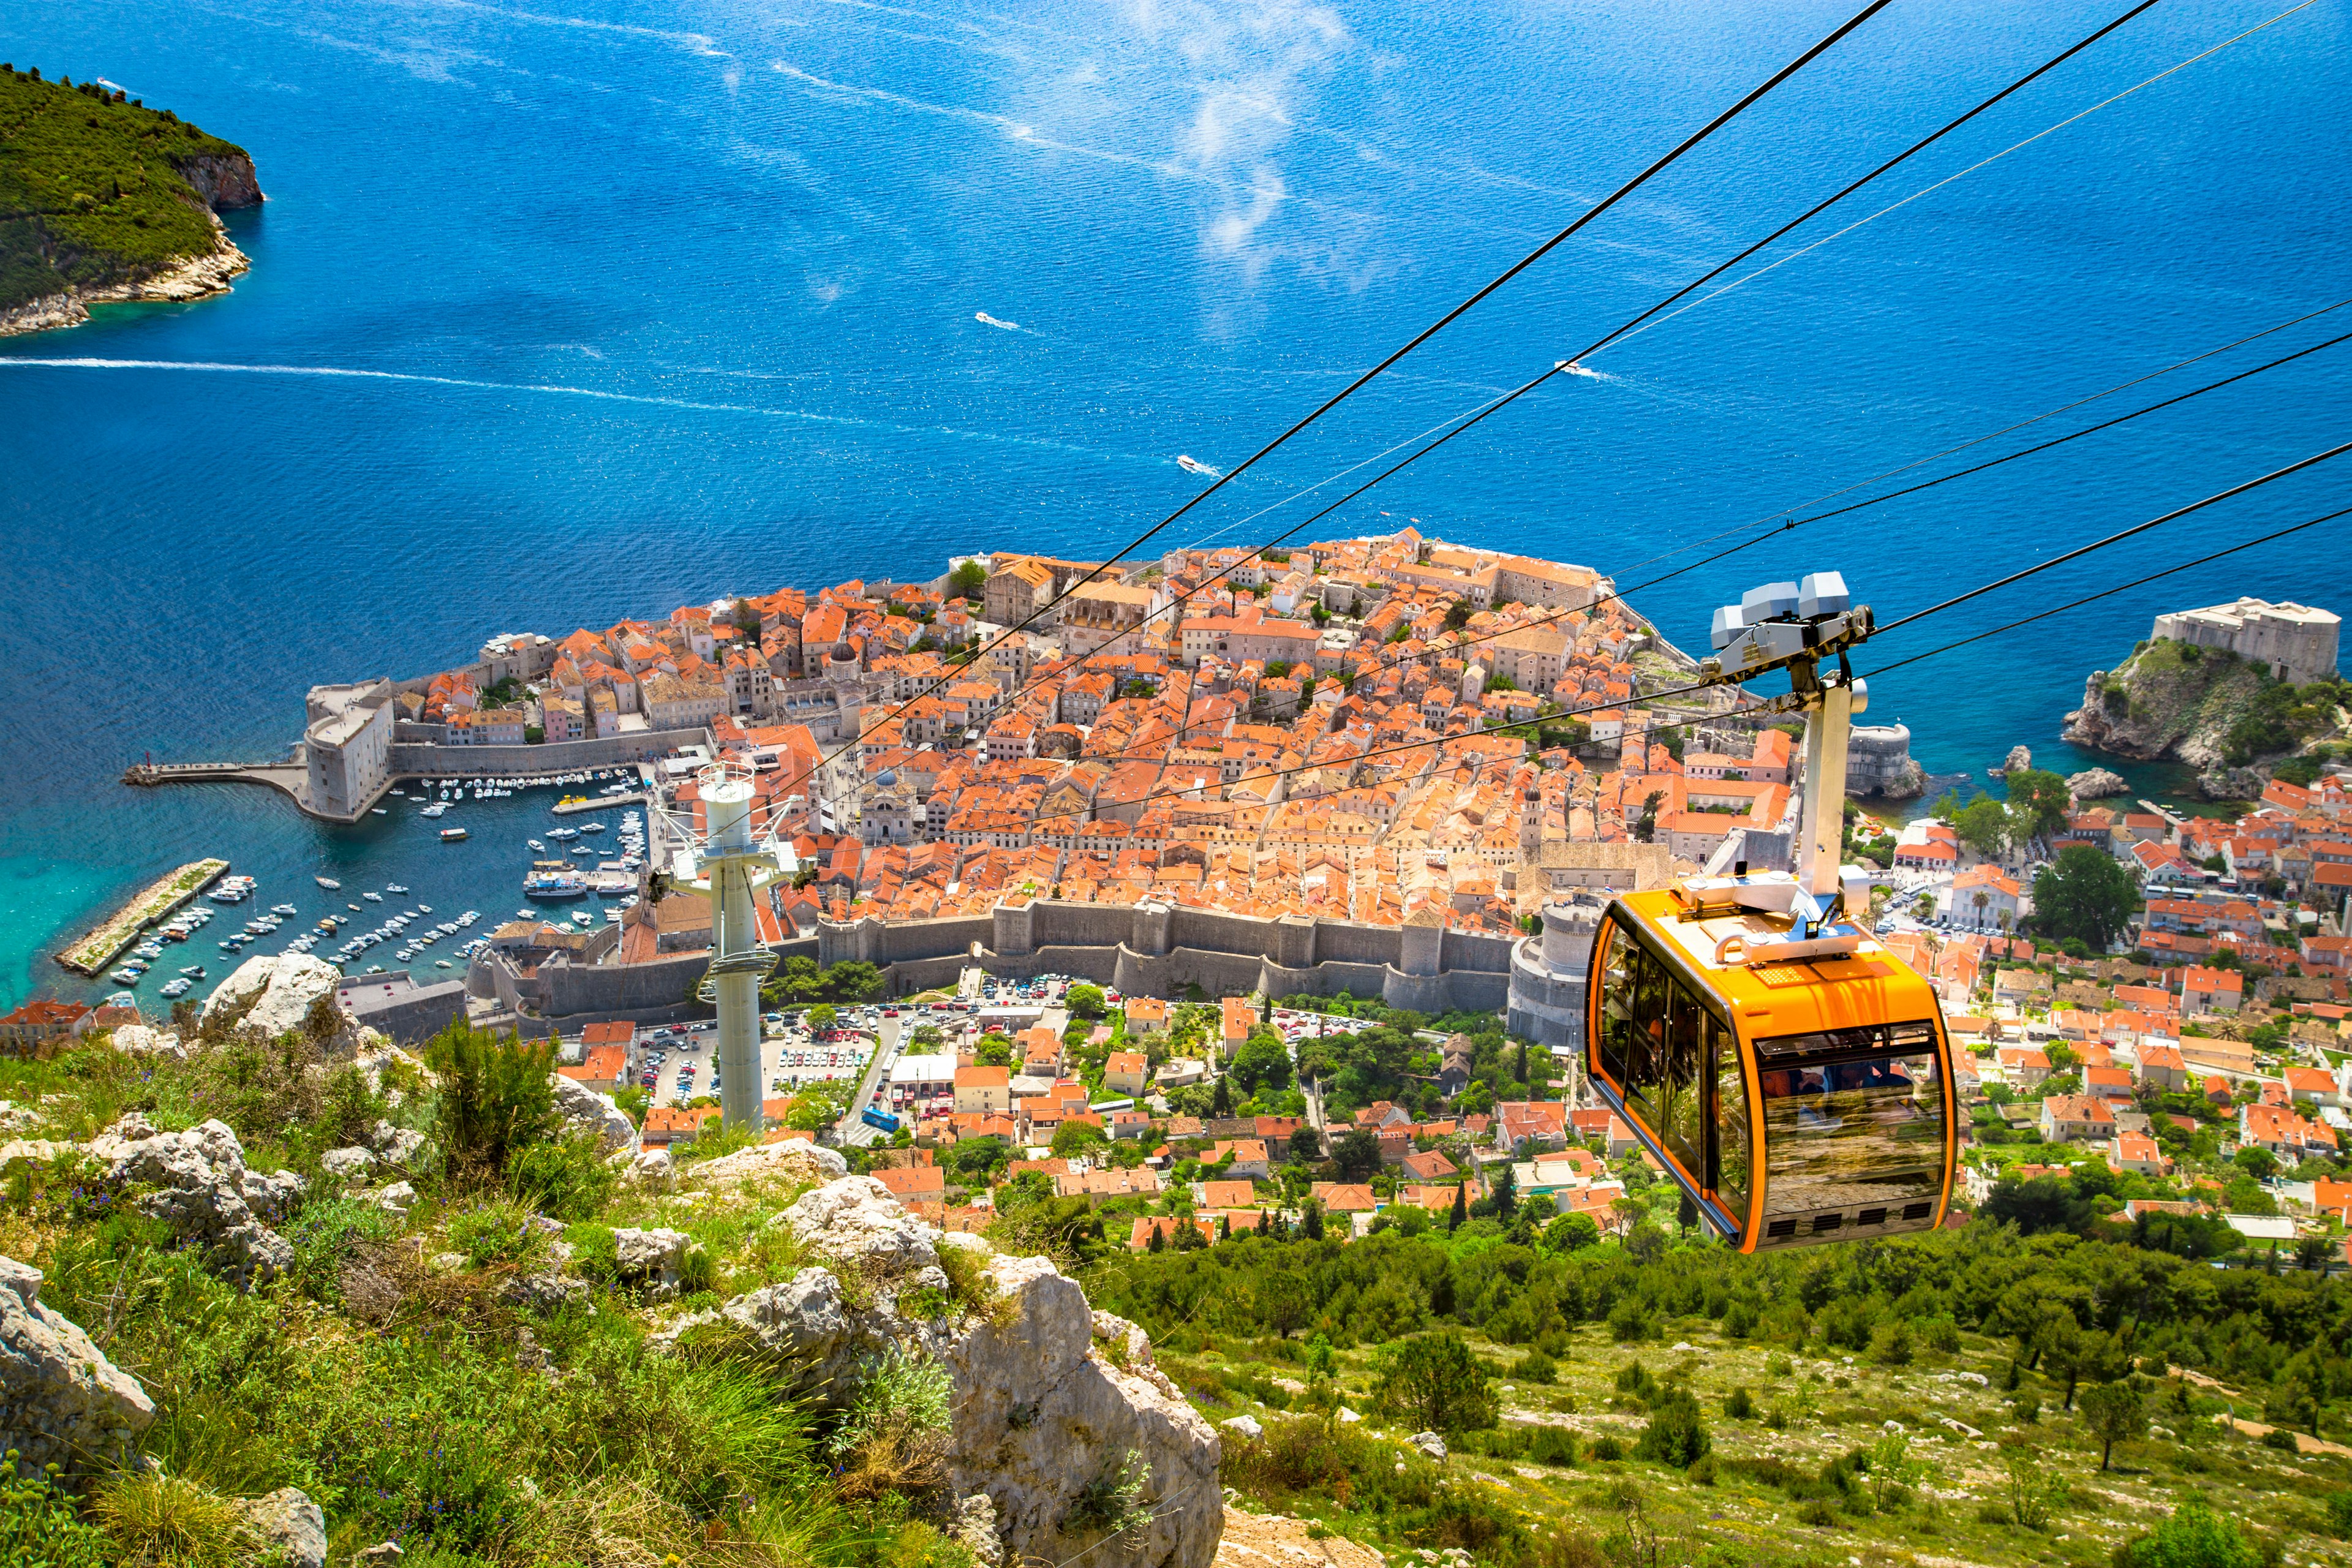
(726, 862)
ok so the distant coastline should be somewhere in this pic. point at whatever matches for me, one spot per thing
(104, 200)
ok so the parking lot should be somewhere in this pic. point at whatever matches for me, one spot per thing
(679, 1063)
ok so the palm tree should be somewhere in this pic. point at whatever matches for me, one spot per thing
(1981, 901)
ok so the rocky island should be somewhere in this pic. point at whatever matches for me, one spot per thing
(2242, 692)
(102, 199)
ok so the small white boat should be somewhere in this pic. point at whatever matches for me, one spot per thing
(1194, 466)
(328, 883)
(373, 897)
(378, 810)
(452, 835)
(283, 910)
(394, 888)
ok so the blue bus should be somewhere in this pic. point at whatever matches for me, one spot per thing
(875, 1116)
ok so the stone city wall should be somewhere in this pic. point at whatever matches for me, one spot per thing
(554, 757)
(1146, 950)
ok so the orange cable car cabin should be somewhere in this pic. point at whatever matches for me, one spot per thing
(1792, 1099)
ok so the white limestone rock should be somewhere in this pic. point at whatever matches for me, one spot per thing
(274, 995)
(653, 1168)
(650, 1257)
(346, 1162)
(292, 1530)
(1247, 1425)
(61, 1400)
(395, 1145)
(1041, 1413)
(397, 1198)
(1429, 1443)
(855, 1221)
(144, 1040)
(796, 1160)
(582, 1109)
(205, 1193)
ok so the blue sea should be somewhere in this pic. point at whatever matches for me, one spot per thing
(564, 311)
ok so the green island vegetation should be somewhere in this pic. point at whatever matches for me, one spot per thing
(2207, 703)
(93, 188)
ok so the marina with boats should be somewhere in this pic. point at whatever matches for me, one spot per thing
(403, 893)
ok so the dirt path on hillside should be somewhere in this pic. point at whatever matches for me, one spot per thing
(1267, 1540)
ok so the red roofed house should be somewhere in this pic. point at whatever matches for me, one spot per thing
(1124, 1072)
(603, 1068)
(2138, 1152)
(1225, 1194)
(2070, 1118)
(915, 1184)
(1344, 1197)
(980, 1091)
(2314, 1084)
(1543, 1120)
(2283, 1133)
(1249, 1157)
(1239, 1019)
(2212, 990)
(2162, 1066)
(1428, 1166)
(39, 1023)
(2025, 1067)
(2107, 1083)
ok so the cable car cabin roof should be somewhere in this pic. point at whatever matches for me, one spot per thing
(1784, 997)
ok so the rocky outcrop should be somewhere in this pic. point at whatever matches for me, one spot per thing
(2020, 759)
(650, 1257)
(61, 1400)
(291, 1529)
(223, 180)
(1052, 1399)
(274, 995)
(204, 1191)
(143, 1040)
(2095, 783)
(586, 1111)
(786, 1164)
(2163, 704)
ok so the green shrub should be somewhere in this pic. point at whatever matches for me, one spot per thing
(2339, 1514)
(2281, 1439)
(495, 1096)
(1538, 1367)
(496, 1232)
(698, 1271)
(2194, 1536)
(1628, 1323)
(328, 1234)
(596, 1254)
(1674, 1436)
(1737, 1405)
(1817, 1510)
(38, 1526)
(1942, 1335)
(1551, 1445)
(1701, 1471)
(1738, 1320)
(1607, 1449)
(1112, 1503)
(566, 1178)
(1432, 1381)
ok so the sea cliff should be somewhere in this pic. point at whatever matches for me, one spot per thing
(2173, 702)
(103, 199)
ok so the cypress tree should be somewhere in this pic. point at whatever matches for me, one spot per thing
(1461, 1207)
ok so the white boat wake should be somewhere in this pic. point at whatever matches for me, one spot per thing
(985, 319)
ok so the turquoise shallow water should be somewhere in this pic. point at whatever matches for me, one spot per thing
(565, 313)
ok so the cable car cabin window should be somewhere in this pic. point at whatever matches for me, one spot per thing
(1731, 1154)
(1845, 1125)
(1660, 1043)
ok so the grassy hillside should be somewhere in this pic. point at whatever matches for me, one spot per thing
(394, 1373)
(1927, 1401)
(92, 188)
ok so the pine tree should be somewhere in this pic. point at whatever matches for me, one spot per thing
(1461, 1207)
(1159, 1243)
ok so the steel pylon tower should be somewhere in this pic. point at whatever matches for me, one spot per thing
(727, 863)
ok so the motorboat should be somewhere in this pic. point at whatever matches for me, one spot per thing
(394, 888)
(591, 827)
(536, 846)
(328, 883)
(373, 897)
(283, 910)
(355, 908)
(452, 835)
